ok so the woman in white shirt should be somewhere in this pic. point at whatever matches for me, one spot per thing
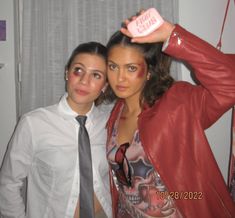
(44, 146)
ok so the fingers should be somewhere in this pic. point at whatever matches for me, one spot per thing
(128, 20)
(124, 24)
(140, 12)
(144, 39)
(157, 34)
(134, 39)
(126, 32)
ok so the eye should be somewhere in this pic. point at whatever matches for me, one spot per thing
(112, 67)
(132, 68)
(78, 71)
(97, 75)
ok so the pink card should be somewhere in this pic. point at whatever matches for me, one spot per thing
(146, 23)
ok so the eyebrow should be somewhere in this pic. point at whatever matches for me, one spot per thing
(76, 63)
(139, 64)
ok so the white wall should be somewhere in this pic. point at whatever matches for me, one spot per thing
(7, 77)
(204, 18)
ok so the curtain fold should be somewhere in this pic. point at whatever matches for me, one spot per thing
(51, 29)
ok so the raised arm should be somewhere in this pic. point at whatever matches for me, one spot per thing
(214, 70)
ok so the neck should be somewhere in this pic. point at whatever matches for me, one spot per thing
(132, 106)
(81, 109)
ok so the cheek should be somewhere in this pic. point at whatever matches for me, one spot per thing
(72, 82)
(97, 86)
(142, 71)
(111, 76)
(72, 77)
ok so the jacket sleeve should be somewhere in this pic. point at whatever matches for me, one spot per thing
(14, 170)
(214, 70)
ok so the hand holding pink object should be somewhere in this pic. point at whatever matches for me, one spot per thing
(146, 23)
(148, 27)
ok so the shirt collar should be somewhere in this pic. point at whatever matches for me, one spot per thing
(67, 112)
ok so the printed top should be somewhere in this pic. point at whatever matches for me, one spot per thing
(146, 194)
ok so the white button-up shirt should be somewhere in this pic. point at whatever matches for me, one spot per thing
(44, 149)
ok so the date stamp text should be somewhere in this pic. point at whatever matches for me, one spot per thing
(179, 195)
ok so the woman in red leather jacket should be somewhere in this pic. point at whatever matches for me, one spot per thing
(161, 164)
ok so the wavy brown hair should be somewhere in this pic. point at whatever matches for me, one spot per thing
(158, 65)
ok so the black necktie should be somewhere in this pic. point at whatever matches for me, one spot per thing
(86, 198)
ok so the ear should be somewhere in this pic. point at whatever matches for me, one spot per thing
(66, 75)
(105, 87)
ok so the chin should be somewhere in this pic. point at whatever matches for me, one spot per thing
(122, 95)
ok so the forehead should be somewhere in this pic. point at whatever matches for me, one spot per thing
(92, 61)
(126, 54)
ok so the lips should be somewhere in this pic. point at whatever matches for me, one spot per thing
(121, 88)
(82, 92)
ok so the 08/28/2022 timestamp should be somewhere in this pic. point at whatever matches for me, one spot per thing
(179, 195)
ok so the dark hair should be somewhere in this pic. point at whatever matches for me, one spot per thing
(158, 66)
(89, 48)
(95, 48)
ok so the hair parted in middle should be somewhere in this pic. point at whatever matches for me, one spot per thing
(158, 64)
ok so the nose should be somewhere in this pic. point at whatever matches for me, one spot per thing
(84, 79)
(121, 75)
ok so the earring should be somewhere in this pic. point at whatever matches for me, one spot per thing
(148, 76)
(66, 75)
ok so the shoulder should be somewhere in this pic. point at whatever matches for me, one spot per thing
(180, 86)
(102, 112)
(181, 90)
(105, 108)
(42, 113)
(114, 114)
(116, 108)
(180, 94)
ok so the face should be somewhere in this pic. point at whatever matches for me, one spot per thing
(85, 79)
(127, 71)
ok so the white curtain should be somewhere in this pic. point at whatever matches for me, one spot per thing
(51, 29)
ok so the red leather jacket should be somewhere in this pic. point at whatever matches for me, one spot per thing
(172, 131)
